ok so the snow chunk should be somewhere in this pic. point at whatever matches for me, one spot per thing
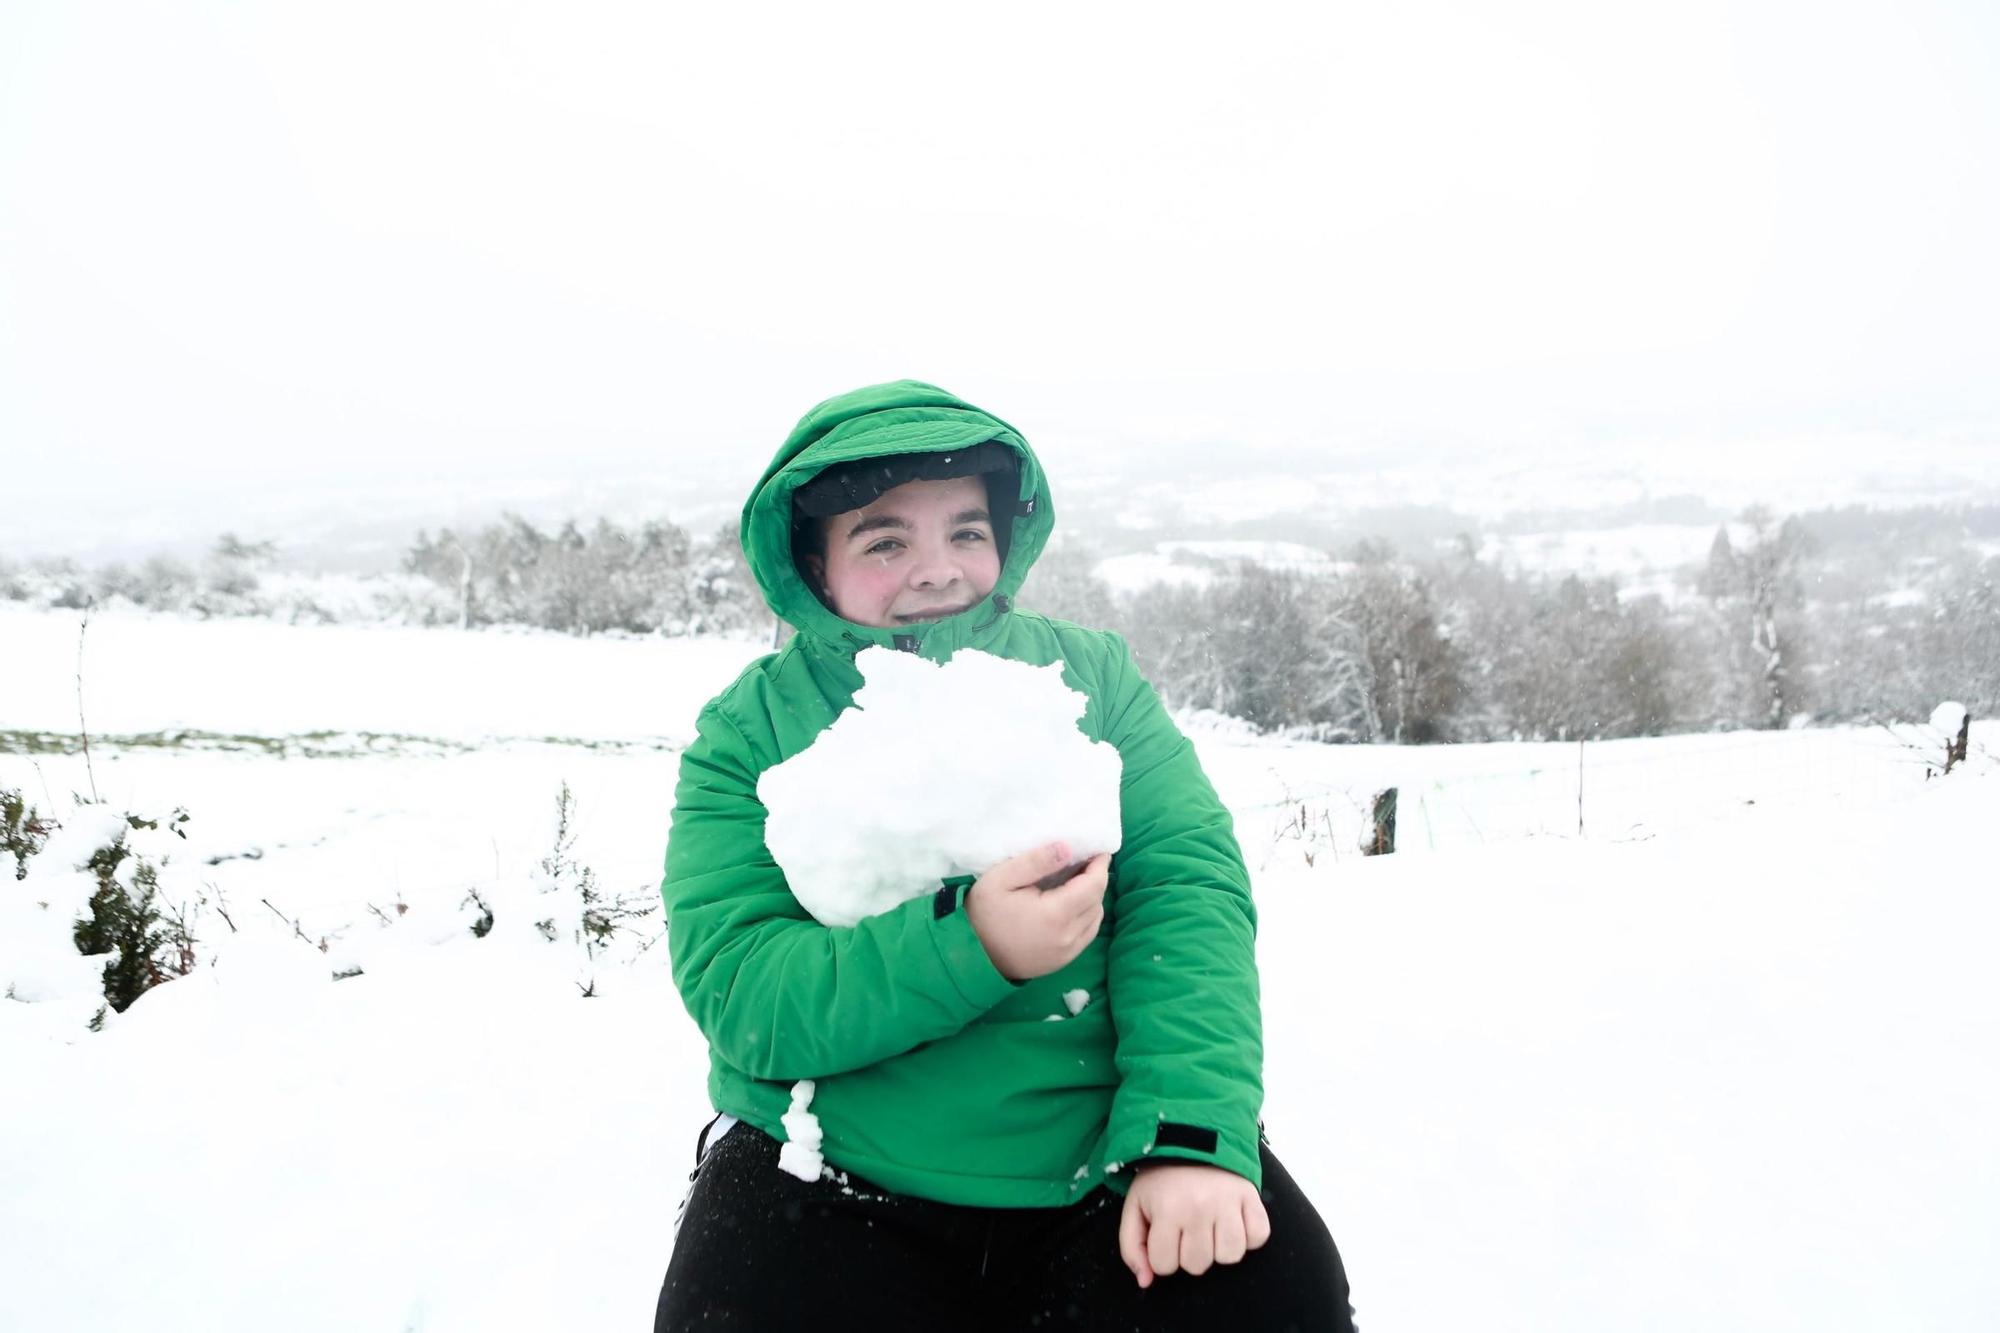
(1074, 1000)
(800, 1156)
(1948, 717)
(937, 770)
(86, 831)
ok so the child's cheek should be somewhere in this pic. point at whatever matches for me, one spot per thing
(879, 583)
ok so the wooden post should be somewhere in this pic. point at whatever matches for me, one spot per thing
(1579, 786)
(1382, 839)
(1954, 750)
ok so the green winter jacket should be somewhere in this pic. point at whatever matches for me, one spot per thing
(937, 1076)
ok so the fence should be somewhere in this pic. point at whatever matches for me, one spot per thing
(1314, 802)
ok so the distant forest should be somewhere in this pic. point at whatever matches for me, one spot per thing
(1836, 616)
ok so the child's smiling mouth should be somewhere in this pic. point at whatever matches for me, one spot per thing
(938, 613)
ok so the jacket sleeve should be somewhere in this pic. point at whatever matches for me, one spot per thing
(1183, 969)
(778, 995)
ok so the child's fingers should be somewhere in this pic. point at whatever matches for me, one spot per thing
(1256, 1222)
(1087, 884)
(1019, 872)
(1163, 1247)
(1198, 1247)
(1132, 1241)
(1090, 923)
(1231, 1243)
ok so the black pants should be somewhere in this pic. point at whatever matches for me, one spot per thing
(761, 1249)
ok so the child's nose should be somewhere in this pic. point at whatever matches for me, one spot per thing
(937, 568)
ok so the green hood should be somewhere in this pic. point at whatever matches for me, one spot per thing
(904, 417)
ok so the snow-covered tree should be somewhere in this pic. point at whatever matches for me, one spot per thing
(1758, 590)
(1411, 665)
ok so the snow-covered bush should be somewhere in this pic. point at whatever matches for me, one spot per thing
(22, 830)
(560, 904)
(84, 926)
(125, 925)
(13, 583)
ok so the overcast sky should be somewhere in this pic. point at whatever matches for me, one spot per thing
(334, 247)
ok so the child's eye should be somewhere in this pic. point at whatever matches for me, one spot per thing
(974, 533)
(883, 547)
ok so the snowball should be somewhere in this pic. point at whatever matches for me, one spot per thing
(1948, 717)
(799, 1155)
(937, 770)
(1074, 1000)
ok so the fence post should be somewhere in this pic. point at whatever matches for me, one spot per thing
(1579, 786)
(1381, 840)
(1954, 750)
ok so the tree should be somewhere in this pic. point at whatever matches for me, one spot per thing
(723, 596)
(1758, 592)
(1062, 584)
(232, 576)
(1412, 667)
(1267, 646)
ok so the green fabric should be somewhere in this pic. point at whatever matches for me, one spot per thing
(936, 1076)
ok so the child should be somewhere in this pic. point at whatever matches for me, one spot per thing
(984, 1168)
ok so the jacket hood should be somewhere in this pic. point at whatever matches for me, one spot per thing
(903, 417)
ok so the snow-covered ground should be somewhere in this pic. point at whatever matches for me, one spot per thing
(1197, 563)
(1724, 1061)
(146, 673)
(1644, 557)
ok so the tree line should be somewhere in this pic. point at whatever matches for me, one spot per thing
(651, 578)
(1387, 648)
(1781, 622)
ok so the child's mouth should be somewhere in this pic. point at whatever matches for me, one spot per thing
(938, 614)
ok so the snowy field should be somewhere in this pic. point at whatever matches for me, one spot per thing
(1724, 1061)
(1197, 563)
(1645, 558)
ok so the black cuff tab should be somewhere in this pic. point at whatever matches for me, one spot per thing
(1192, 1137)
(945, 901)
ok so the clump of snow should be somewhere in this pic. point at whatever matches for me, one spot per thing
(1948, 717)
(86, 831)
(800, 1155)
(937, 770)
(1074, 1000)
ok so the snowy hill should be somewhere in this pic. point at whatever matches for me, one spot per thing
(1724, 1060)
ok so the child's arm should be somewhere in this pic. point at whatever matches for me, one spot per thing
(777, 994)
(1183, 971)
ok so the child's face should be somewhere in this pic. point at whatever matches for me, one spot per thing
(921, 551)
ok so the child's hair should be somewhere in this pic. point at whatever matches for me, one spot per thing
(845, 487)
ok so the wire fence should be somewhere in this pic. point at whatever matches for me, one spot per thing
(1321, 807)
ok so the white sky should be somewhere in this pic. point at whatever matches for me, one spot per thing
(331, 248)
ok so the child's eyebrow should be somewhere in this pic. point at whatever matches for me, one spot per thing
(971, 516)
(879, 521)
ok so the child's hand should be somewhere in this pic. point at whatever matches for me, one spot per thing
(1028, 931)
(1183, 1216)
